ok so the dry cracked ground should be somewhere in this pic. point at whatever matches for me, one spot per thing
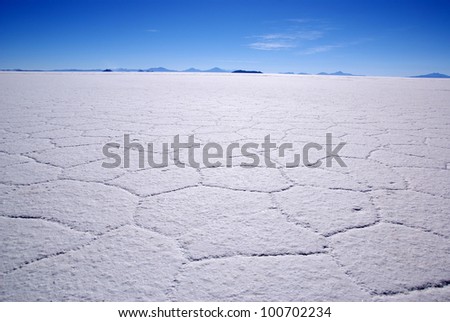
(376, 230)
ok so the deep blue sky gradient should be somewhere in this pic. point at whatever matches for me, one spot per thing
(396, 38)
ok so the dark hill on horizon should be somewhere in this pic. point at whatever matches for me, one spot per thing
(432, 75)
(241, 71)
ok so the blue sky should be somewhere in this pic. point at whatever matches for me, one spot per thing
(396, 38)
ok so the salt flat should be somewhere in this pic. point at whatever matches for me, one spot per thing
(375, 230)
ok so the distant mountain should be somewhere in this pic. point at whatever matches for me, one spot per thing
(247, 71)
(432, 75)
(339, 73)
(287, 73)
(159, 69)
(216, 70)
(303, 74)
(192, 70)
(212, 70)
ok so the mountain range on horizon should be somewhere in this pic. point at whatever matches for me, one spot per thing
(152, 69)
(196, 70)
(189, 70)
